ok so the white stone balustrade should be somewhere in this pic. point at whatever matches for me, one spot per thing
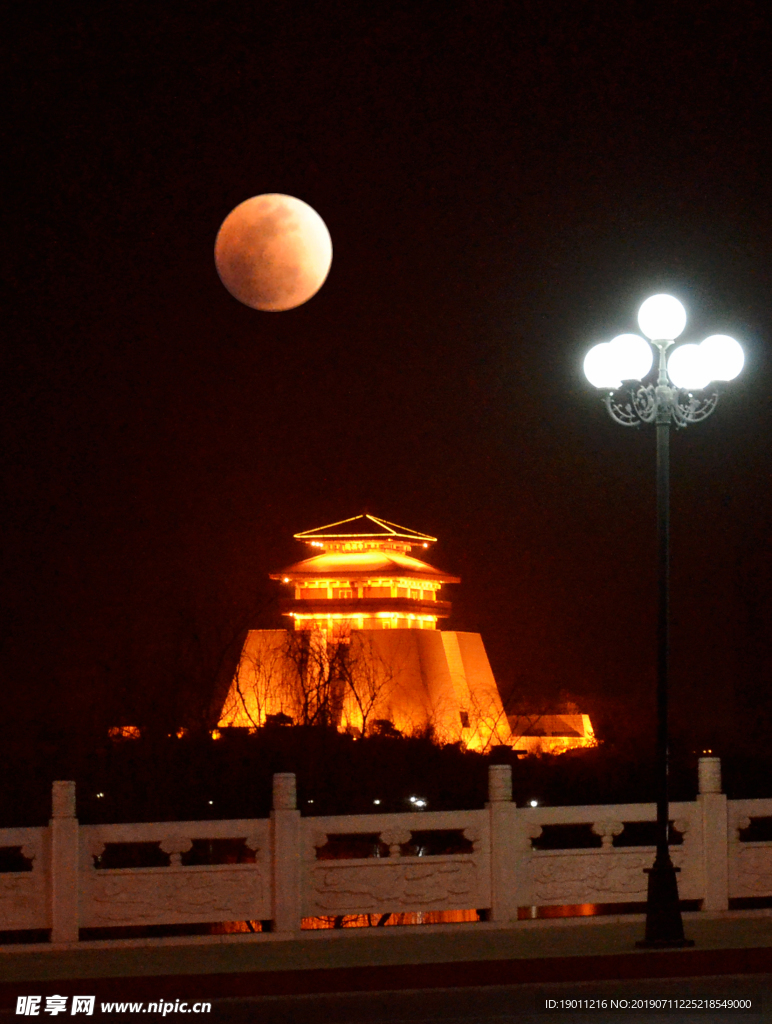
(497, 869)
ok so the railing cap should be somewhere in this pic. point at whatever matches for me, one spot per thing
(499, 783)
(284, 792)
(709, 774)
(63, 799)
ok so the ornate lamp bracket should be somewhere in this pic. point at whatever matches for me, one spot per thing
(689, 408)
(633, 405)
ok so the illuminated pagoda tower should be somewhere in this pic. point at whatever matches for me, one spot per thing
(366, 651)
(364, 577)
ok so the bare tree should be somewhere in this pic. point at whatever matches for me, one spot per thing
(261, 684)
(311, 678)
(369, 681)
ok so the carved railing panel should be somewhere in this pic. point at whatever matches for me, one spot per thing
(24, 902)
(608, 874)
(750, 863)
(176, 894)
(140, 896)
(397, 883)
(410, 884)
(593, 876)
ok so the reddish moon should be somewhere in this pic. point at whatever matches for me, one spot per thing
(273, 252)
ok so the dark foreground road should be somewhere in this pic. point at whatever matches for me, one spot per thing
(501, 1004)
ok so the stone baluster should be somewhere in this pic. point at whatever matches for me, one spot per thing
(285, 849)
(607, 830)
(504, 848)
(394, 839)
(175, 846)
(64, 864)
(715, 851)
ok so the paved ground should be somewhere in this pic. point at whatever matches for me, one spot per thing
(312, 955)
(522, 1004)
(476, 973)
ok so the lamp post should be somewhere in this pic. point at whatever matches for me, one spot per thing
(684, 393)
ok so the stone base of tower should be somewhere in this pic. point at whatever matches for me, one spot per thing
(410, 680)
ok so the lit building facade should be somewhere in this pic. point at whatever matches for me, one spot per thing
(363, 576)
(366, 652)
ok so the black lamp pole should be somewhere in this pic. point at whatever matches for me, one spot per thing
(661, 404)
(664, 926)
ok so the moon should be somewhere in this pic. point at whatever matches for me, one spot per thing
(273, 252)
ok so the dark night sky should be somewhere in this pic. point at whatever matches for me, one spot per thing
(504, 183)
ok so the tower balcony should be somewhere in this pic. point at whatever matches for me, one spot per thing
(364, 606)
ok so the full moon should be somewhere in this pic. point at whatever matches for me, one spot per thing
(273, 252)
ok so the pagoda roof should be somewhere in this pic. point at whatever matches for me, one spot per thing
(365, 526)
(363, 564)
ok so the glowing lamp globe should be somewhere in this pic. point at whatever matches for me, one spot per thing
(633, 356)
(688, 369)
(600, 368)
(723, 355)
(626, 357)
(662, 318)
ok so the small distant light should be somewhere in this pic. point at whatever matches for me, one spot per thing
(310, 801)
(534, 803)
(210, 801)
(99, 796)
(426, 545)
(420, 803)
(413, 799)
(376, 801)
(286, 579)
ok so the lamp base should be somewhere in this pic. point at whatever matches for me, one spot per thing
(664, 927)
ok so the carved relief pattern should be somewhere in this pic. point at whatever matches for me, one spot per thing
(605, 876)
(23, 894)
(166, 895)
(23, 900)
(444, 883)
(752, 874)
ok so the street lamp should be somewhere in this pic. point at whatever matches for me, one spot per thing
(684, 393)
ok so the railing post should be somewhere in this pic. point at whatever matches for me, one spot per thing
(64, 863)
(504, 852)
(285, 854)
(713, 808)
